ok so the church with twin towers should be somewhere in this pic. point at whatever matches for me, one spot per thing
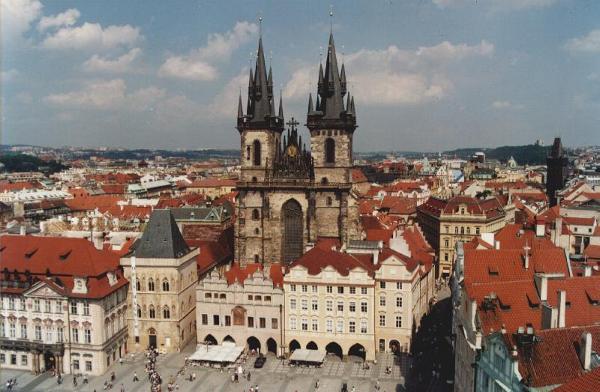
(290, 196)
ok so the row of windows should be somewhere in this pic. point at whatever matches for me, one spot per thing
(329, 325)
(13, 359)
(462, 230)
(166, 286)
(314, 305)
(382, 301)
(328, 289)
(226, 321)
(48, 335)
(166, 312)
(49, 306)
(258, 298)
(382, 321)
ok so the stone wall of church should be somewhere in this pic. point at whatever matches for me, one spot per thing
(343, 155)
(268, 140)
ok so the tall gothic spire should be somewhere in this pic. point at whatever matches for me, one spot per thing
(332, 87)
(260, 113)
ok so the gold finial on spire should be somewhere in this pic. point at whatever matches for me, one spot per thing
(260, 19)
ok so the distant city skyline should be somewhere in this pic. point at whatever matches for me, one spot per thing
(427, 75)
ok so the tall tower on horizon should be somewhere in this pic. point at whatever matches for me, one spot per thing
(556, 171)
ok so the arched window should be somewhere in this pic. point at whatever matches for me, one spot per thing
(462, 230)
(138, 285)
(150, 284)
(152, 312)
(329, 201)
(468, 230)
(256, 147)
(256, 231)
(329, 150)
(255, 214)
(247, 153)
(139, 311)
(256, 259)
(166, 312)
(165, 285)
(324, 181)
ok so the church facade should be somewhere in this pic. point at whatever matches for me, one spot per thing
(289, 197)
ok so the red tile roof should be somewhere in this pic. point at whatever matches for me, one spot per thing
(589, 382)
(18, 186)
(90, 203)
(64, 258)
(554, 357)
(236, 274)
(358, 176)
(316, 259)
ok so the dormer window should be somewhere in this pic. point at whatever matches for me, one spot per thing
(80, 286)
(112, 278)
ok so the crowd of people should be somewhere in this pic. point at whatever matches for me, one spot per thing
(153, 376)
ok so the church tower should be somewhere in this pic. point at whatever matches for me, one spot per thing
(260, 128)
(290, 197)
(331, 123)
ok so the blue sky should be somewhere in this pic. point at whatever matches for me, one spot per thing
(427, 75)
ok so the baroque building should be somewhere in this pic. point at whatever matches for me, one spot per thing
(289, 196)
(62, 307)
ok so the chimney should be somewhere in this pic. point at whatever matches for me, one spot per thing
(472, 313)
(585, 350)
(526, 256)
(540, 226)
(562, 308)
(549, 317)
(587, 270)
(497, 244)
(541, 282)
(43, 226)
(22, 230)
(557, 230)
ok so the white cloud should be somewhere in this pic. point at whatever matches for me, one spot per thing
(224, 104)
(199, 63)
(16, 17)
(594, 77)
(496, 4)
(9, 75)
(107, 95)
(394, 76)
(93, 36)
(589, 43)
(186, 68)
(67, 18)
(119, 65)
(506, 105)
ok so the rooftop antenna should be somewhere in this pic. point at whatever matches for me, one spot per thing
(260, 18)
(270, 58)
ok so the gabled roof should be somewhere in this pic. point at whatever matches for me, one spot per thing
(161, 238)
(317, 259)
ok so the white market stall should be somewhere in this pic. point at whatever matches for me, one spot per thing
(306, 356)
(226, 353)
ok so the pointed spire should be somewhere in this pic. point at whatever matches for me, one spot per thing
(320, 74)
(343, 74)
(310, 103)
(240, 111)
(270, 78)
(348, 103)
(318, 106)
(352, 108)
(280, 106)
(251, 79)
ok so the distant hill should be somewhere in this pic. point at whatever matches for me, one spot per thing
(531, 154)
(22, 162)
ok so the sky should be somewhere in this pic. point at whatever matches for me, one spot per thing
(427, 75)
